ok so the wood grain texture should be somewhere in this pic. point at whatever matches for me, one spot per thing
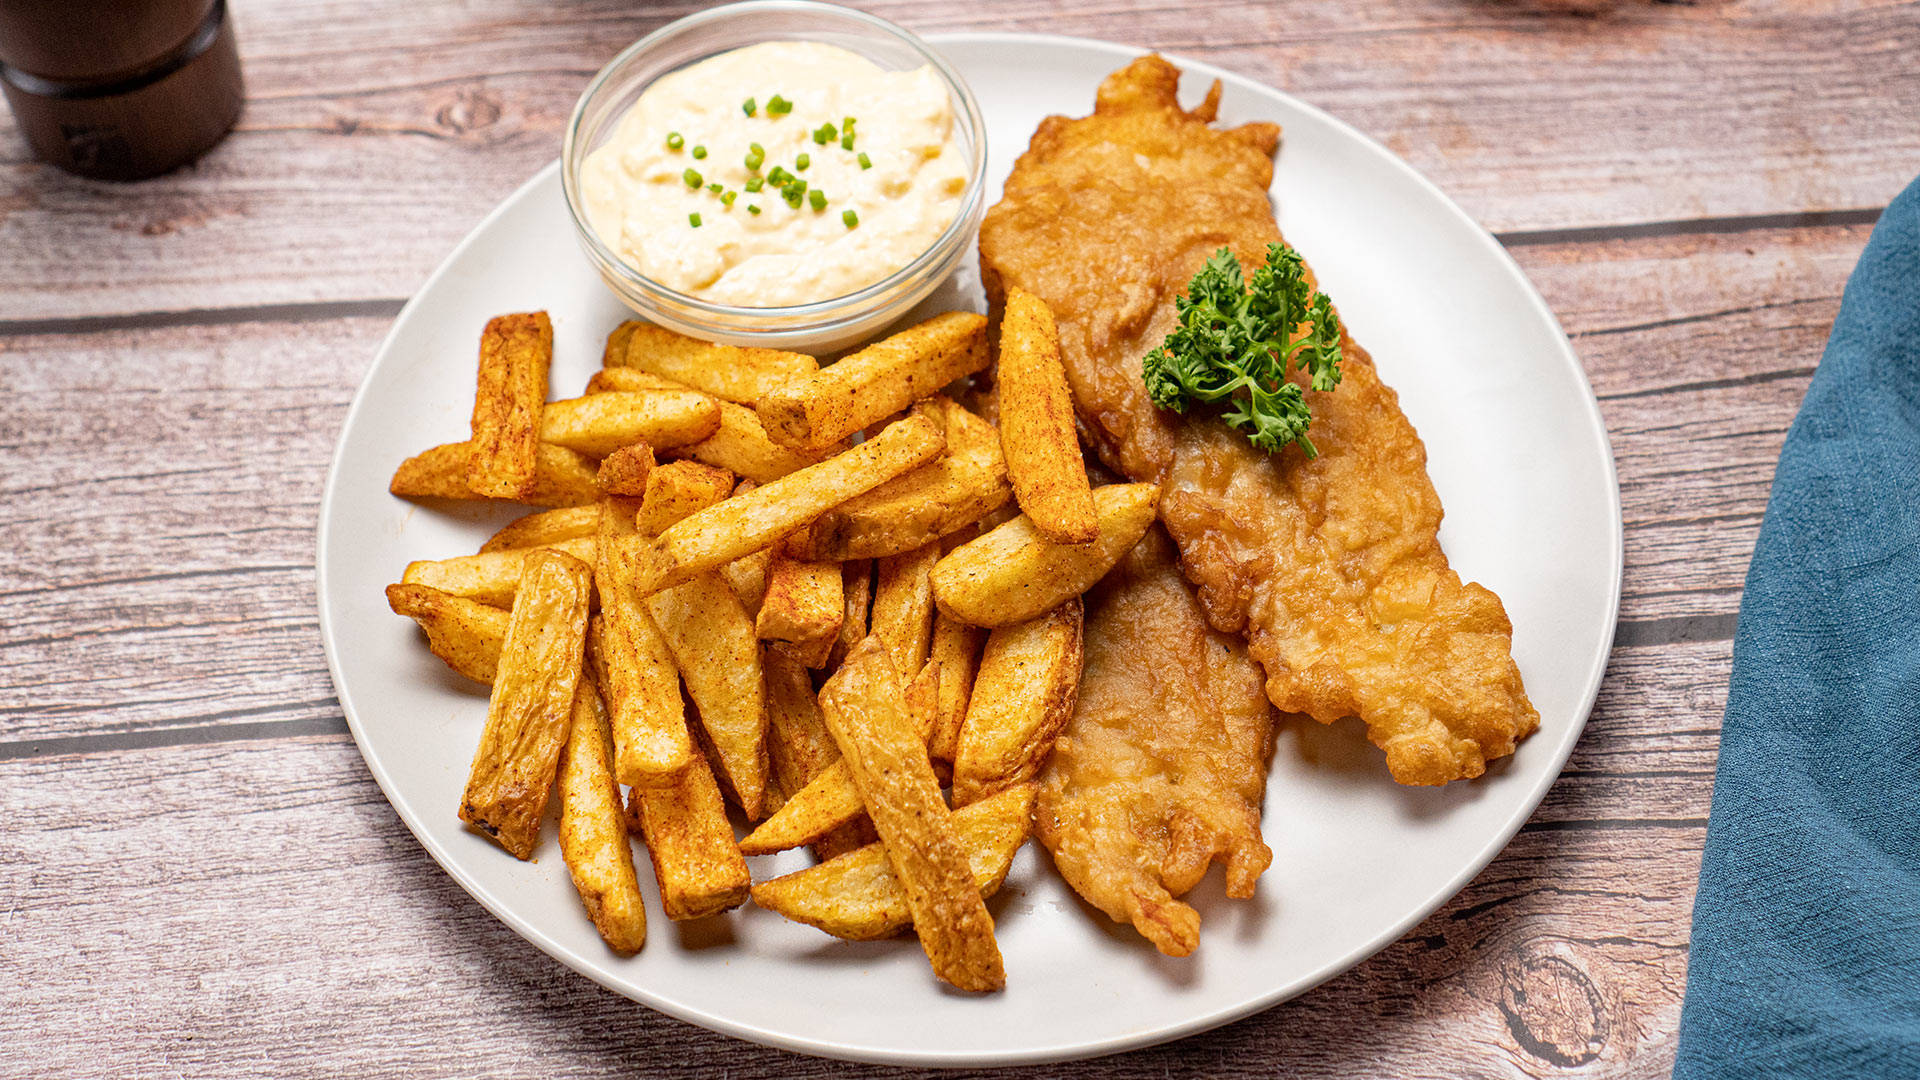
(199, 877)
(376, 136)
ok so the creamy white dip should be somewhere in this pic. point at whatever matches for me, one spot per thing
(639, 201)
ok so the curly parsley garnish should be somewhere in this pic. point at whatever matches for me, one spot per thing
(1237, 342)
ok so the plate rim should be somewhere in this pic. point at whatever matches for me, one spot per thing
(1497, 840)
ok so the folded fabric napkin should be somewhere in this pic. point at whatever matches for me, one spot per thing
(1806, 934)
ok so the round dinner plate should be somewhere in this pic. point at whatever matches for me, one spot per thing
(1516, 448)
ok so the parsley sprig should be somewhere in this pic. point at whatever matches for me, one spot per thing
(1237, 341)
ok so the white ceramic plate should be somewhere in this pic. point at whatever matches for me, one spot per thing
(1516, 448)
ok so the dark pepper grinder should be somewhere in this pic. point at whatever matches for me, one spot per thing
(119, 89)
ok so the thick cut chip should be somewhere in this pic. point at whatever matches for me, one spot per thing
(933, 501)
(690, 841)
(903, 604)
(492, 578)
(859, 897)
(956, 648)
(711, 639)
(829, 801)
(1011, 574)
(739, 444)
(866, 710)
(465, 633)
(818, 410)
(636, 671)
(593, 829)
(677, 490)
(515, 354)
(599, 424)
(529, 714)
(764, 516)
(624, 472)
(1036, 425)
(1022, 696)
(730, 372)
(544, 528)
(802, 609)
(561, 477)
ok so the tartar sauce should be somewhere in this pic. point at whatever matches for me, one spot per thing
(821, 212)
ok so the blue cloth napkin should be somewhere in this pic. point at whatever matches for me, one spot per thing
(1806, 933)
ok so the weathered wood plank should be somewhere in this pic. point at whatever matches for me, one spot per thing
(376, 137)
(213, 878)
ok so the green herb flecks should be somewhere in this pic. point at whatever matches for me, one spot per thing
(699, 153)
(675, 140)
(850, 218)
(865, 161)
(693, 220)
(778, 106)
(1237, 342)
(817, 199)
(749, 107)
(693, 178)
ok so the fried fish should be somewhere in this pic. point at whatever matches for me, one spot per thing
(1163, 766)
(1330, 566)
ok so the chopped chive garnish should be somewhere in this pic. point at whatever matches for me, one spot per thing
(825, 134)
(793, 196)
(756, 155)
(693, 220)
(850, 218)
(817, 199)
(779, 176)
(802, 162)
(846, 141)
(716, 187)
(865, 161)
(778, 106)
(754, 183)
(726, 198)
(797, 185)
(752, 209)
(692, 178)
(749, 107)
(675, 141)
(847, 125)
(699, 152)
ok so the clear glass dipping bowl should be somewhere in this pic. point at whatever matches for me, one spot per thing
(823, 326)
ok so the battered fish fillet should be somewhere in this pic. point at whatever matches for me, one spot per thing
(1163, 766)
(1331, 567)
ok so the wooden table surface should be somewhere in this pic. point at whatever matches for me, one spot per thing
(197, 874)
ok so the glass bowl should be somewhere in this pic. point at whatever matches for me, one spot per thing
(823, 326)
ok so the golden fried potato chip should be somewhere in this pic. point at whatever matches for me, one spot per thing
(815, 411)
(492, 578)
(545, 527)
(599, 424)
(1011, 574)
(531, 711)
(729, 372)
(465, 633)
(561, 477)
(593, 829)
(690, 841)
(515, 354)
(802, 609)
(1022, 697)
(636, 670)
(624, 472)
(1036, 425)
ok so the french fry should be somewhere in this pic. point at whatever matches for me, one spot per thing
(651, 745)
(561, 477)
(616, 348)
(765, 515)
(515, 354)
(903, 604)
(492, 578)
(803, 605)
(956, 648)
(593, 830)
(859, 897)
(1011, 575)
(677, 490)
(1036, 425)
(690, 841)
(1023, 695)
(545, 527)
(465, 633)
(729, 372)
(599, 424)
(856, 580)
(815, 411)
(866, 710)
(710, 636)
(931, 502)
(739, 444)
(799, 747)
(624, 472)
(711, 639)
(619, 379)
(529, 714)
(830, 800)
(747, 576)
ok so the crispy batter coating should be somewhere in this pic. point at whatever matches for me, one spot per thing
(1331, 567)
(1163, 766)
